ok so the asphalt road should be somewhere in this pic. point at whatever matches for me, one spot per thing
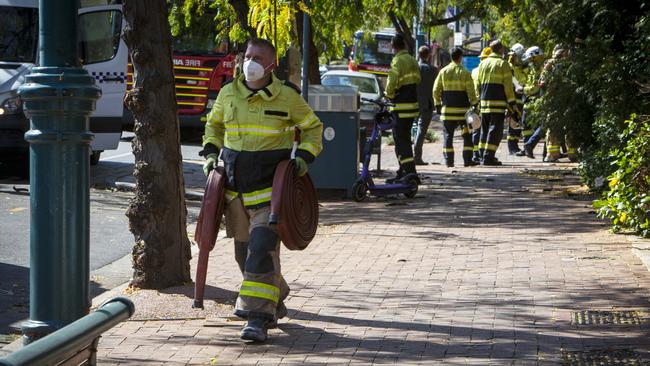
(110, 238)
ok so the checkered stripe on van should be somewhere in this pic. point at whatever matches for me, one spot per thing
(101, 76)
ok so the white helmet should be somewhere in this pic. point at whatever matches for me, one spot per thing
(517, 49)
(473, 120)
(532, 52)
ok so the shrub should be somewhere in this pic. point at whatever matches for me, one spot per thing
(627, 203)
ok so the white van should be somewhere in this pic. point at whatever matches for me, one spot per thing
(103, 53)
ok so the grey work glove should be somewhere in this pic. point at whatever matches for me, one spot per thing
(211, 162)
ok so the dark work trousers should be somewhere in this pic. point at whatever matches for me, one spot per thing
(491, 134)
(448, 148)
(514, 135)
(423, 125)
(403, 148)
(476, 139)
(406, 109)
(527, 131)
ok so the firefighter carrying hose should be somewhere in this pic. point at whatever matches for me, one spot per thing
(453, 94)
(251, 129)
(403, 77)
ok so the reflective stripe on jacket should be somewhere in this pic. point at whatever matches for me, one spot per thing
(532, 85)
(454, 91)
(404, 70)
(519, 72)
(255, 130)
(495, 79)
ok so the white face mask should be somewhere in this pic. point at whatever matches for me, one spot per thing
(253, 71)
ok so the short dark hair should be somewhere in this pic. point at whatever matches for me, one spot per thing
(261, 42)
(456, 54)
(398, 42)
(496, 46)
(424, 52)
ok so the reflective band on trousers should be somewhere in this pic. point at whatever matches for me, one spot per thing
(406, 160)
(257, 197)
(261, 290)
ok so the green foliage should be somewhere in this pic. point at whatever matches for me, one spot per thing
(431, 136)
(627, 203)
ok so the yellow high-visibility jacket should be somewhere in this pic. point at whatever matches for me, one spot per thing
(495, 80)
(255, 131)
(404, 70)
(519, 72)
(532, 85)
(454, 91)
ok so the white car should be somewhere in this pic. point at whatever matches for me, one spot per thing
(366, 84)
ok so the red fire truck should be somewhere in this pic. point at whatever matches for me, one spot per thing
(201, 67)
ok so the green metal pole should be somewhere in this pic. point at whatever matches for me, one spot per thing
(58, 98)
(305, 53)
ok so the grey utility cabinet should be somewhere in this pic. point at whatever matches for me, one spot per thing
(337, 167)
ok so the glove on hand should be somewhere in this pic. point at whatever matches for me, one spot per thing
(438, 109)
(301, 166)
(211, 162)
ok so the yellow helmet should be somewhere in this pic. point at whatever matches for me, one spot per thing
(487, 51)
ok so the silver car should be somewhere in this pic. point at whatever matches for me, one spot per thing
(367, 84)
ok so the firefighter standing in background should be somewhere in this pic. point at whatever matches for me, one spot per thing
(401, 89)
(428, 74)
(251, 124)
(454, 93)
(497, 96)
(557, 133)
(534, 57)
(476, 134)
(519, 81)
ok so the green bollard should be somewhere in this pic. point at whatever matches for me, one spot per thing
(58, 98)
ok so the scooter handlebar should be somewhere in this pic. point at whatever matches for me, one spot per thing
(379, 102)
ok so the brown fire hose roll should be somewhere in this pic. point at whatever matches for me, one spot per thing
(207, 227)
(294, 206)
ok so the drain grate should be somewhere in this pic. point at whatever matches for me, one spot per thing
(612, 357)
(591, 317)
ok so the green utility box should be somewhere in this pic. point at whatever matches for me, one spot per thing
(337, 166)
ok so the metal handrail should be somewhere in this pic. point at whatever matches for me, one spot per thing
(66, 343)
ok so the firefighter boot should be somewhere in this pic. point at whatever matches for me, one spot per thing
(280, 312)
(255, 330)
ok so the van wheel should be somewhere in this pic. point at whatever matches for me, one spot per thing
(94, 157)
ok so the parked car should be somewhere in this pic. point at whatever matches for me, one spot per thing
(367, 84)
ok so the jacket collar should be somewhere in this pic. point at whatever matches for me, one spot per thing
(494, 55)
(401, 52)
(269, 92)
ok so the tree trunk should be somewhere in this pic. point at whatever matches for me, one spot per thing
(401, 26)
(314, 74)
(157, 214)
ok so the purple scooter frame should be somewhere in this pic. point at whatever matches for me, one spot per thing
(408, 185)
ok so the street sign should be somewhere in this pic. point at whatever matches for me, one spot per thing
(458, 39)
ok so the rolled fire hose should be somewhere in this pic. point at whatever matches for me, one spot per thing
(207, 227)
(294, 204)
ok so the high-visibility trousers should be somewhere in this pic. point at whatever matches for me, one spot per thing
(448, 146)
(263, 286)
(491, 134)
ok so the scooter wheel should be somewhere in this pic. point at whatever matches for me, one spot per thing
(359, 191)
(413, 182)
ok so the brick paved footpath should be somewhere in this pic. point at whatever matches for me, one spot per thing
(484, 267)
